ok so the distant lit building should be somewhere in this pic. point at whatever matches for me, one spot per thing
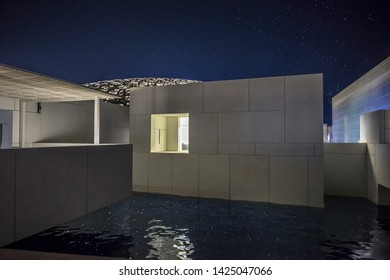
(359, 163)
(368, 94)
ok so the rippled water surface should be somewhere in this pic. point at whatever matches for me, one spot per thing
(165, 227)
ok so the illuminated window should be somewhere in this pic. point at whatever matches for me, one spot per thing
(169, 133)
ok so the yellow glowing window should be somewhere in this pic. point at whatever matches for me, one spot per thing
(169, 133)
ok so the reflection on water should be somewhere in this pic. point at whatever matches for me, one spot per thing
(164, 227)
(353, 229)
(168, 243)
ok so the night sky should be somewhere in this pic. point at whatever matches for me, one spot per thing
(86, 41)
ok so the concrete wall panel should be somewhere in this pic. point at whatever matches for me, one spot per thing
(185, 173)
(6, 103)
(114, 123)
(214, 176)
(108, 166)
(266, 94)
(383, 195)
(319, 150)
(33, 127)
(387, 136)
(372, 127)
(139, 101)
(7, 196)
(387, 123)
(285, 149)
(304, 109)
(31, 107)
(16, 104)
(66, 122)
(261, 127)
(49, 180)
(175, 99)
(203, 133)
(131, 129)
(117, 135)
(226, 96)
(249, 178)
(141, 172)
(160, 173)
(142, 133)
(15, 129)
(371, 149)
(289, 180)
(345, 148)
(316, 182)
(372, 183)
(383, 165)
(236, 148)
(345, 174)
(6, 129)
(44, 187)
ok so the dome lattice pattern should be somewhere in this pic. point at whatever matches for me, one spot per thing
(120, 88)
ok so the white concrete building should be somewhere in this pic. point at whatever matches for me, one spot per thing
(53, 112)
(369, 93)
(361, 114)
(251, 139)
(44, 187)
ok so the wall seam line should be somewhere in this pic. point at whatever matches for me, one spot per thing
(15, 178)
(217, 115)
(269, 179)
(229, 178)
(198, 173)
(147, 102)
(87, 183)
(148, 171)
(308, 181)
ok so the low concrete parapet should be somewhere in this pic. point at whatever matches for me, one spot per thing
(43, 187)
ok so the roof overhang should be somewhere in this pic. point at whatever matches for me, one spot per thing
(29, 86)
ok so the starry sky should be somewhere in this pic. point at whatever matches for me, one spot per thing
(86, 41)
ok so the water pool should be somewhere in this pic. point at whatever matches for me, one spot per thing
(166, 227)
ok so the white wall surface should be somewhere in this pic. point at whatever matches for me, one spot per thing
(374, 130)
(68, 122)
(345, 169)
(251, 139)
(369, 93)
(6, 129)
(114, 123)
(361, 169)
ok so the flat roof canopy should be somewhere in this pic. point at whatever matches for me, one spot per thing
(29, 86)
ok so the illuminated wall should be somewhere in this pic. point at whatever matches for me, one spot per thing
(251, 139)
(370, 93)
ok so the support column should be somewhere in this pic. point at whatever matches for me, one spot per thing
(96, 121)
(22, 124)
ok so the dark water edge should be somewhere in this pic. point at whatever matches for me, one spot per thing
(148, 226)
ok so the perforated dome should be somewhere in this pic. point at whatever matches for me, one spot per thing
(120, 88)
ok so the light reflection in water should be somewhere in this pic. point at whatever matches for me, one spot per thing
(168, 242)
(161, 227)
